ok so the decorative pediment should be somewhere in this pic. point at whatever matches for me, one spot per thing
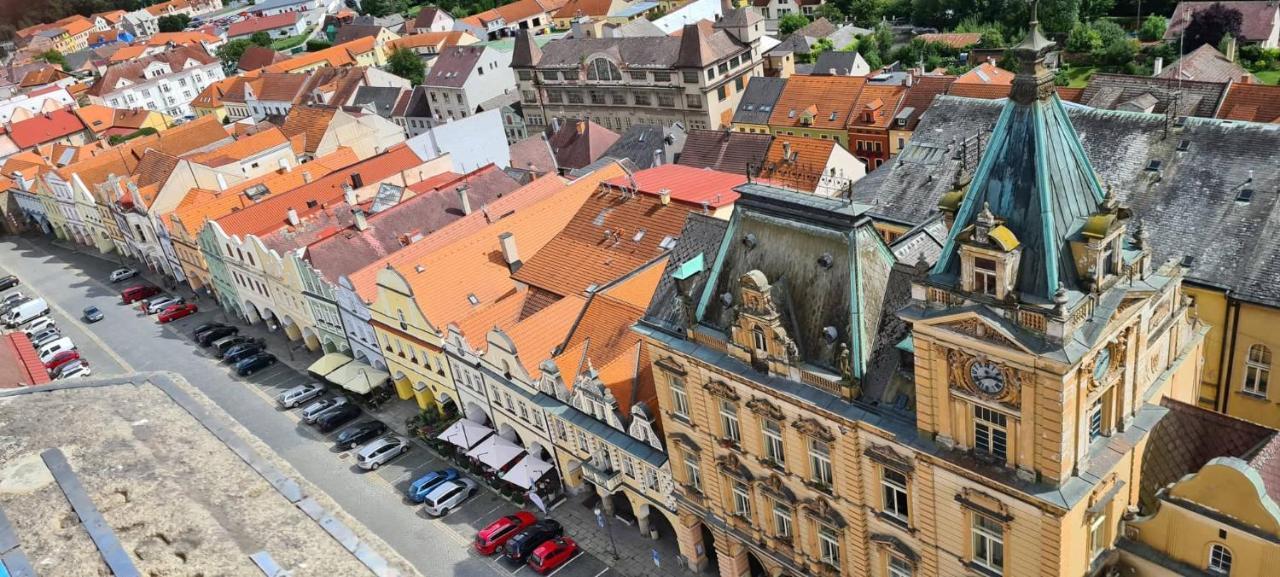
(812, 428)
(885, 455)
(721, 389)
(670, 365)
(774, 487)
(765, 408)
(985, 378)
(981, 330)
(984, 504)
(820, 509)
(685, 442)
(731, 466)
(896, 545)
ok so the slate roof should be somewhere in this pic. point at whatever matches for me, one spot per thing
(349, 32)
(1205, 64)
(580, 142)
(383, 98)
(419, 105)
(428, 16)
(1188, 206)
(639, 143)
(757, 101)
(844, 63)
(396, 227)
(692, 257)
(1258, 18)
(920, 97)
(1250, 101)
(1111, 91)
(641, 52)
(723, 150)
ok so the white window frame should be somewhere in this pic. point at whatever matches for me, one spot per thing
(1220, 559)
(990, 432)
(693, 471)
(899, 567)
(987, 537)
(829, 545)
(985, 280)
(729, 424)
(895, 499)
(1257, 370)
(820, 463)
(679, 398)
(782, 520)
(773, 448)
(1097, 536)
(741, 499)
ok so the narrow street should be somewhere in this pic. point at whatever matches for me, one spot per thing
(126, 340)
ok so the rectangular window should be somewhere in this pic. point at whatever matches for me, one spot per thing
(679, 398)
(550, 75)
(729, 422)
(666, 100)
(693, 472)
(570, 74)
(781, 519)
(773, 441)
(583, 445)
(597, 97)
(829, 545)
(899, 567)
(525, 75)
(575, 97)
(627, 468)
(1257, 370)
(555, 96)
(990, 436)
(820, 462)
(1095, 420)
(690, 76)
(1097, 536)
(894, 486)
(638, 75)
(529, 95)
(984, 276)
(988, 543)
(662, 77)
(642, 98)
(741, 499)
(722, 92)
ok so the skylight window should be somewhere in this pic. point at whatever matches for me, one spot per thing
(473, 299)
(1245, 195)
(668, 242)
(639, 235)
(1154, 165)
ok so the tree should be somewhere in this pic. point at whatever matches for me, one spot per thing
(790, 23)
(317, 45)
(1210, 25)
(406, 64)
(822, 45)
(173, 22)
(992, 38)
(1058, 16)
(54, 57)
(1091, 10)
(1153, 28)
(1109, 31)
(261, 39)
(831, 12)
(862, 10)
(1084, 39)
(231, 52)
(377, 8)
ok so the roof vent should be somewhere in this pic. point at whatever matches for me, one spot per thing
(1184, 145)
(473, 299)
(749, 240)
(826, 260)
(591, 288)
(668, 243)
(833, 115)
(1154, 165)
(639, 235)
(312, 203)
(1246, 195)
(791, 113)
(420, 269)
(1187, 261)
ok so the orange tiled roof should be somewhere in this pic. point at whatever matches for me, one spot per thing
(804, 169)
(1251, 102)
(309, 123)
(1069, 94)
(574, 8)
(211, 96)
(242, 148)
(97, 117)
(519, 10)
(126, 53)
(440, 40)
(879, 101)
(986, 91)
(537, 336)
(475, 261)
(953, 39)
(182, 38)
(986, 73)
(826, 100)
(612, 235)
(336, 56)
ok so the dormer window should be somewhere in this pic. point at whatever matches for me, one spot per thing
(757, 335)
(984, 276)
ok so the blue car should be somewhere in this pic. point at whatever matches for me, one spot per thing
(419, 489)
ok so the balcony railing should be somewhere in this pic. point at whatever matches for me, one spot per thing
(607, 480)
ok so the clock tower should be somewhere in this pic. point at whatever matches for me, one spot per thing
(1044, 327)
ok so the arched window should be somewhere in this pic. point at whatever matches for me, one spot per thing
(1257, 370)
(1219, 560)
(603, 70)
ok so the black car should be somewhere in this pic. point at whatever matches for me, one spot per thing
(228, 343)
(523, 543)
(204, 328)
(214, 334)
(8, 282)
(250, 365)
(359, 434)
(241, 352)
(337, 417)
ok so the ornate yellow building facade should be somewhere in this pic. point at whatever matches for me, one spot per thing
(1003, 436)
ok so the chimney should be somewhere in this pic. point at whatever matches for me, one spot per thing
(509, 253)
(1157, 66)
(464, 199)
(582, 126)
(349, 195)
(357, 181)
(786, 151)
(362, 223)
(293, 217)
(911, 79)
(306, 177)
(1231, 49)
(664, 196)
(658, 157)
(285, 166)
(555, 124)
(222, 182)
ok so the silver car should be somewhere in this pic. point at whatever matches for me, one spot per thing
(448, 495)
(158, 304)
(45, 337)
(122, 274)
(299, 394)
(314, 410)
(380, 451)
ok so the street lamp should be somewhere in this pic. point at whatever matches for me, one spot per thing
(604, 522)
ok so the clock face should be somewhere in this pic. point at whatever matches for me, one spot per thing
(1102, 365)
(987, 377)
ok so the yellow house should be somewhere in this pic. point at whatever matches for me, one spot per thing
(412, 346)
(1240, 353)
(1208, 499)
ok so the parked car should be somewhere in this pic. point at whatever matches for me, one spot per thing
(45, 337)
(155, 305)
(93, 314)
(299, 394)
(76, 368)
(381, 451)
(552, 554)
(240, 352)
(251, 365)
(175, 312)
(59, 359)
(8, 282)
(123, 274)
(137, 293)
(354, 436)
(25, 311)
(206, 338)
(224, 345)
(523, 543)
(206, 327)
(419, 489)
(11, 300)
(449, 495)
(337, 417)
(490, 539)
(314, 410)
(51, 348)
(34, 327)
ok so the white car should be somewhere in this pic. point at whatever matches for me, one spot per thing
(380, 451)
(76, 368)
(448, 495)
(314, 410)
(158, 304)
(123, 274)
(299, 394)
(36, 326)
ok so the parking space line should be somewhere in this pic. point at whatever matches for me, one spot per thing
(575, 557)
(603, 571)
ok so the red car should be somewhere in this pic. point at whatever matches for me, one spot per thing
(137, 293)
(175, 312)
(489, 539)
(552, 554)
(61, 358)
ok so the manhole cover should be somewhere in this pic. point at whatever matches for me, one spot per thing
(344, 455)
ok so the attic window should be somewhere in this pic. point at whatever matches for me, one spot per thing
(1246, 195)
(312, 204)
(639, 235)
(1184, 145)
(1180, 121)
(1187, 261)
(791, 113)
(766, 107)
(473, 299)
(591, 288)
(668, 242)
(1154, 165)
(833, 115)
